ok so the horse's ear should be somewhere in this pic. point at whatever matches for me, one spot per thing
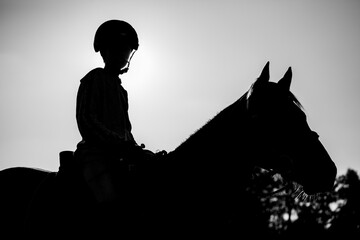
(264, 76)
(285, 82)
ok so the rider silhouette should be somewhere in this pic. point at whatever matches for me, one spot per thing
(102, 112)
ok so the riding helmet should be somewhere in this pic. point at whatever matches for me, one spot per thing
(115, 32)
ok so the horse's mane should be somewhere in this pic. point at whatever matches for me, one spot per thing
(213, 123)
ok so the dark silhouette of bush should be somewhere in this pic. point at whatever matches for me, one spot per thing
(335, 213)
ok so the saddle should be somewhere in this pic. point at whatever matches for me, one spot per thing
(62, 202)
(63, 199)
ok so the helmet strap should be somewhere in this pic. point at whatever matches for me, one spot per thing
(126, 69)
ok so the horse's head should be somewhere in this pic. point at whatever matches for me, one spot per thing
(280, 127)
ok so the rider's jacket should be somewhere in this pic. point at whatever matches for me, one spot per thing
(102, 111)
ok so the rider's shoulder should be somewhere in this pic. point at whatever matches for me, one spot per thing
(93, 76)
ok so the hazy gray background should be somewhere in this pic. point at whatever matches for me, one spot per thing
(195, 58)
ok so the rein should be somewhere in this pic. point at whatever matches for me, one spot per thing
(296, 190)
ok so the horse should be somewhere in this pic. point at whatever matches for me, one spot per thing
(198, 189)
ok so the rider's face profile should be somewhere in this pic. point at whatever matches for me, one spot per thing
(116, 57)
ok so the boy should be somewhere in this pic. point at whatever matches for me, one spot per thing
(102, 112)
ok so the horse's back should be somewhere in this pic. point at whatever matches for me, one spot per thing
(17, 186)
(18, 183)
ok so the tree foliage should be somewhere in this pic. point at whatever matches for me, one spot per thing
(290, 212)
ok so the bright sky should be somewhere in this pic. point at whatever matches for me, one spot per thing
(195, 58)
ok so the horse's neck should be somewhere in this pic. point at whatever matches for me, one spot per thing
(222, 139)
